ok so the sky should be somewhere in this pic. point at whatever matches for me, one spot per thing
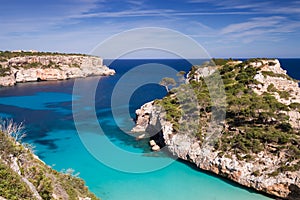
(227, 28)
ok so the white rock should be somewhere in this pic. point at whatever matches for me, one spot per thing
(62, 67)
(152, 143)
(155, 148)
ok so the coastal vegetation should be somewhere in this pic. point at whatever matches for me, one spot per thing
(27, 66)
(166, 82)
(253, 123)
(4, 71)
(24, 176)
(5, 55)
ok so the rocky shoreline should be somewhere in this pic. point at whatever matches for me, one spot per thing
(187, 147)
(22, 69)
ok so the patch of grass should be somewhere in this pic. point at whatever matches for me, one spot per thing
(272, 74)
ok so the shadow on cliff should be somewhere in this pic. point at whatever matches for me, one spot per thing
(228, 181)
(295, 192)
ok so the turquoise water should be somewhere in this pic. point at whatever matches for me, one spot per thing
(46, 109)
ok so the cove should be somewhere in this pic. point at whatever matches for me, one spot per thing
(46, 110)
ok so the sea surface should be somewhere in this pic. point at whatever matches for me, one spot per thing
(46, 110)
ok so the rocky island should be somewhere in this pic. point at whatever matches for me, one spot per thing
(258, 145)
(18, 67)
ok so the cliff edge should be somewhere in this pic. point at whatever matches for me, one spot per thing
(27, 67)
(259, 142)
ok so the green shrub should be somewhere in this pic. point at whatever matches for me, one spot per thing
(225, 69)
(219, 61)
(271, 63)
(271, 88)
(295, 106)
(256, 173)
(4, 71)
(284, 94)
(272, 74)
(274, 173)
(11, 185)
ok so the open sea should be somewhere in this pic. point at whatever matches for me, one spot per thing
(47, 112)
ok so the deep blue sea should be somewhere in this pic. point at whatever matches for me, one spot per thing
(46, 110)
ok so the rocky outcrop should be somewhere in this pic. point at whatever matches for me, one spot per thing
(24, 176)
(52, 67)
(253, 174)
(257, 173)
(272, 78)
(279, 78)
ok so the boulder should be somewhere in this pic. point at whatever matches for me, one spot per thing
(155, 148)
(152, 143)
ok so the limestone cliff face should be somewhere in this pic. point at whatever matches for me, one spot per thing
(188, 147)
(51, 67)
(274, 76)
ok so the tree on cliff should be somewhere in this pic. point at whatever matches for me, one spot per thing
(166, 82)
(180, 76)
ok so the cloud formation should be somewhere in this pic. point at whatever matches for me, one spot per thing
(213, 23)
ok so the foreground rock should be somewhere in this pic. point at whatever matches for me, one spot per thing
(50, 67)
(257, 172)
(24, 176)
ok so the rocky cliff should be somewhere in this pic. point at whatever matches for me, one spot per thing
(254, 149)
(42, 67)
(24, 176)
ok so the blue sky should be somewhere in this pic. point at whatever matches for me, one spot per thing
(227, 28)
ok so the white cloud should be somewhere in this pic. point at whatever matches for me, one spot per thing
(254, 23)
(258, 6)
(47, 16)
(65, 28)
(260, 28)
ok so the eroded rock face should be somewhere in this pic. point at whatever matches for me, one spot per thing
(281, 83)
(60, 67)
(188, 147)
(8, 81)
(257, 172)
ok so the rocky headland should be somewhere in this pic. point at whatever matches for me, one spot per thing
(259, 144)
(27, 67)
